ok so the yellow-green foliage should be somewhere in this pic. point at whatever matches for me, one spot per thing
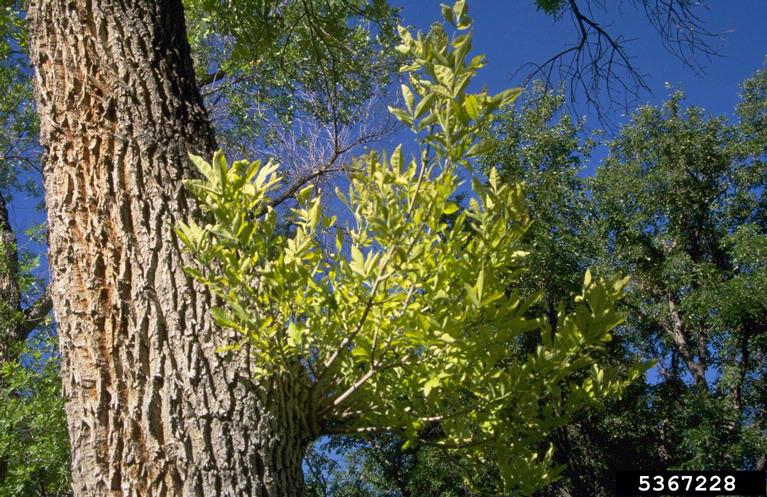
(399, 319)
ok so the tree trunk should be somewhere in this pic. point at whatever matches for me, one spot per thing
(10, 298)
(9, 303)
(153, 408)
(676, 330)
(15, 323)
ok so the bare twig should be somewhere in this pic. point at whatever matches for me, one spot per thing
(598, 68)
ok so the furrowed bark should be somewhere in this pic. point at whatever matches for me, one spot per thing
(153, 408)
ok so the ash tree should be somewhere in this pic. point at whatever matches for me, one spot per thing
(391, 319)
(212, 380)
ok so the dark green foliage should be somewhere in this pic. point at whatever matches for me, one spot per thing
(34, 447)
(33, 436)
(681, 206)
(265, 63)
(543, 147)
(551, 7)
(382, 468)
(18, 121)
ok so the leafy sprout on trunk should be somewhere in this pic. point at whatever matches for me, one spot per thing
(392, 319)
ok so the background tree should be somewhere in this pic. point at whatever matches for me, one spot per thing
(20, 310)
(688, 175)
(682, 201)
(539, 144)
(33, 437)
(380, 467)
(34, 455)
(301, 82)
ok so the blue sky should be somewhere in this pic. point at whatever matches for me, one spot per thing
(513, 32)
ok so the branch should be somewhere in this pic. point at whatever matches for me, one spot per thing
(682, 31)
(329, 166)
(337, 430)
(213, 77)
(350, 338)
(676, 331)
(10, 296)
(456, 445)
(35, 314)
(303, 181)
(379, 279)
(359, 383)
(598, 62)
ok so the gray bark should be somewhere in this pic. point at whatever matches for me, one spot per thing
(153, 408)
(676, 331)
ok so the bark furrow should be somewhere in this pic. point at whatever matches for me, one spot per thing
(153, 409)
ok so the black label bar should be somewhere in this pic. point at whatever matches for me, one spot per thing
(692, 483)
